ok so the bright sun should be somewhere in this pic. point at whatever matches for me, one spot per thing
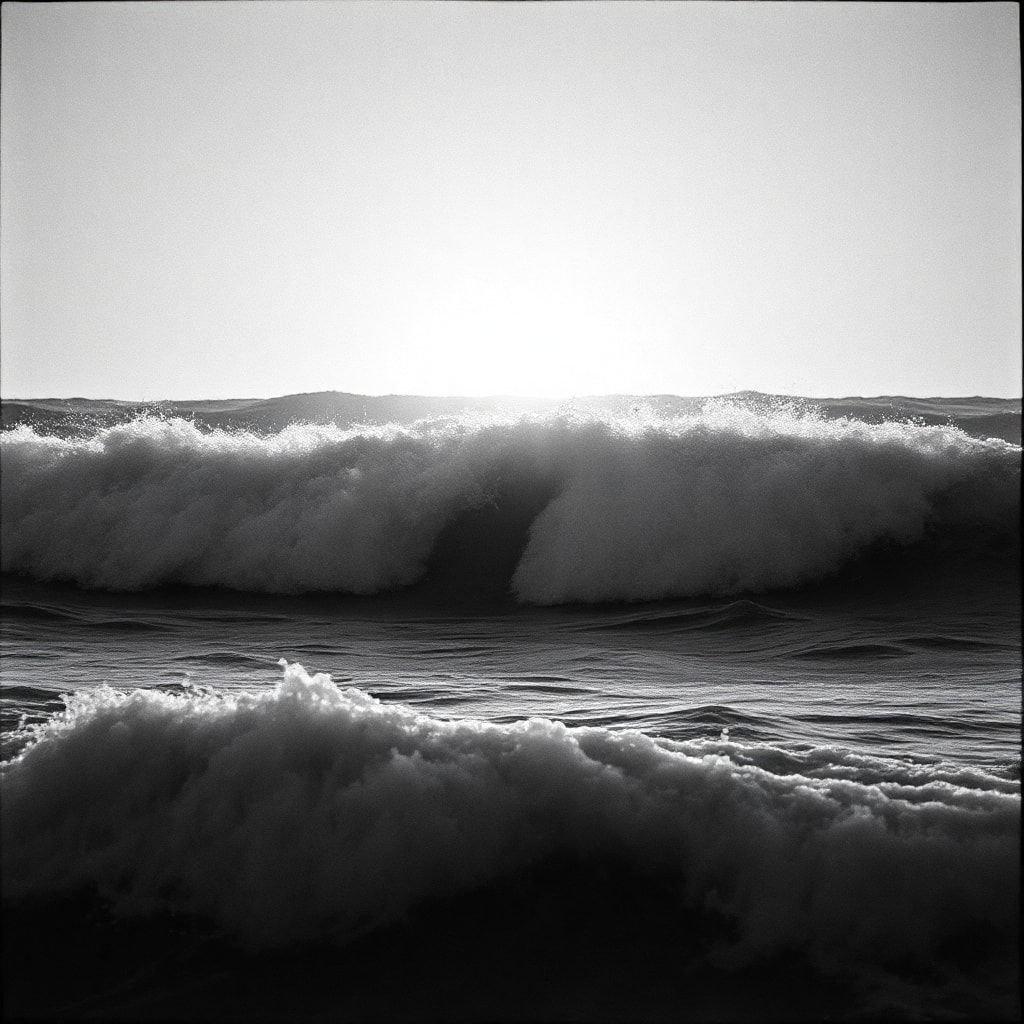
(543, 327)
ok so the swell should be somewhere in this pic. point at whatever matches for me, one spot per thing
(734, 615)
(79, 417)
(310, 812)
(554, 509)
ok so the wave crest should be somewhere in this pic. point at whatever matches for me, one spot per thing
(312, 810)
(623, 508)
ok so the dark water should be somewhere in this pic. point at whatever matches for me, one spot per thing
(649, 709)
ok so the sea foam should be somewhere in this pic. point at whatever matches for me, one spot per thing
(310, 810)
(639, 507)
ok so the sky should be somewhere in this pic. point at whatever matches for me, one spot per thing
(205, 200)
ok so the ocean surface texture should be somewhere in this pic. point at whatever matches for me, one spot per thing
(336, 707)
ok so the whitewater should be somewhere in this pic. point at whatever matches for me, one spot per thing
(627, 708)
(625, 509)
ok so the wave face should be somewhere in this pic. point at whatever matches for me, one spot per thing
(310, 810)
(584, 508)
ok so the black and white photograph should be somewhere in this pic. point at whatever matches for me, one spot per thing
(510, 511)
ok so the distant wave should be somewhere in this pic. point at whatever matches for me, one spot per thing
(79, 417)
(558, 508)
(310, 810)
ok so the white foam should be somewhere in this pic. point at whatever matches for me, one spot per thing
(726, 501)
(735, 501)
(306, 809)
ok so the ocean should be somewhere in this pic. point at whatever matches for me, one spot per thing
(336, 707)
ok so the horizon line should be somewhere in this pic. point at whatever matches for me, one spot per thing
(513, 397)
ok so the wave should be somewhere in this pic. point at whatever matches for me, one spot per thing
(312, 811)
(78, 417)
(729, 618)
(555, 508)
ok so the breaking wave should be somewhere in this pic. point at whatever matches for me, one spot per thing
(311, 810)
(554, 508)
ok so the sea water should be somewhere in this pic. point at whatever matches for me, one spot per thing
(642, 709)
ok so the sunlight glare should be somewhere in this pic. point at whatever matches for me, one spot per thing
(545, 329)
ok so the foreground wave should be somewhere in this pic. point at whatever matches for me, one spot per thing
(310, 810)
(554, 508)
